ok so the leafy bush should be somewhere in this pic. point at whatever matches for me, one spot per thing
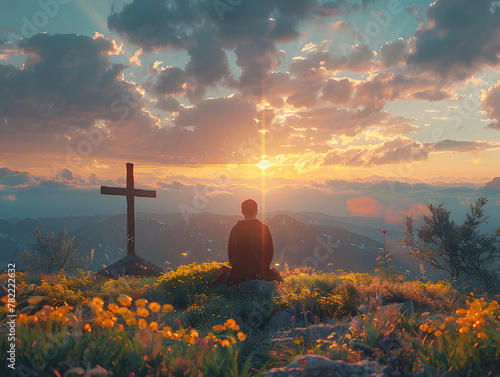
(182, 286)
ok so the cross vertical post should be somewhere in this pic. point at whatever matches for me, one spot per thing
(130, 192)
(130, 210)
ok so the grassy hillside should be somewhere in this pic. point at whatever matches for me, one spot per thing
(177, 325)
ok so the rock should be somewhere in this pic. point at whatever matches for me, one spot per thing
(280, 320)
(320, 366)
(130, 265)
(254, 286)
(321, 331)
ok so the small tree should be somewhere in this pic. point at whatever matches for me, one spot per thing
(457, 249)
(52, 254)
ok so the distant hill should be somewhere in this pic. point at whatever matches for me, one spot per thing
(312, 239)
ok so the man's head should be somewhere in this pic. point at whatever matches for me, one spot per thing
(249, 208)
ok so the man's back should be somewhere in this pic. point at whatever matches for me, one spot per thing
(250, 248)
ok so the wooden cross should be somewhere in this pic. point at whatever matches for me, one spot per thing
(130, 192)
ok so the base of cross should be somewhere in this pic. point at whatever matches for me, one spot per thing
(130, 265)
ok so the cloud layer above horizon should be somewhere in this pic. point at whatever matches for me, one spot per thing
(315, 88)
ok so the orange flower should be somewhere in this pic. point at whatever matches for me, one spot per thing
(481, 335)
(142, 323)
(241, 336)
(87, 327)
(219, 328)
(35, 300)
(131, 321)
(113, 307)
(154, 325)
(141, 312)
(438, 333)
(154, 307)
(141, 303)
(167, 308)
(124, 300)
(23, 318)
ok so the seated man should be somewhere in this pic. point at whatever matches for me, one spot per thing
(250, 250)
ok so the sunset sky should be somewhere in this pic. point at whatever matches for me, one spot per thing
(302, 104)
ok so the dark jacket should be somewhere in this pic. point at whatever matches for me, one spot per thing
(250, 249)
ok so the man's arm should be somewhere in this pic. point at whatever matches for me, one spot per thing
(269, 254)
(231, 250)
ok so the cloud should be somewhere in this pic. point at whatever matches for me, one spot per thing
(13, 178)
(460, 40)
(465, 146)
(9, 198)
(397, 150)
(364, 206)
(396, 216)
(340, 25)
(67, 81)
(490, 102)
(392, 53)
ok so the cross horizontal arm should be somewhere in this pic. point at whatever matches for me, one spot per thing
(105, 190)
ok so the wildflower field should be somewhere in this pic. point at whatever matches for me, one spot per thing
(175, 325)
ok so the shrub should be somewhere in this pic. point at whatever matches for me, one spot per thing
(182, 286)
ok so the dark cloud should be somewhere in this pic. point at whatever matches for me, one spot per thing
(67, 81)
(338, 92)
(156, 24)
(13, 178)
(461, 39)
(392, 53)
(465, 146)
(208, 63)
(491, 104)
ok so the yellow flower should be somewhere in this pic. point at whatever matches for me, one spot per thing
(142, 323)
(125, 300)
(298, 340)
(154, 325)
(241, 336)
(189, 339)
(209, 337)
(141, 303)
(194, 333)
(167, 308)
(35, 300)
(154, 307)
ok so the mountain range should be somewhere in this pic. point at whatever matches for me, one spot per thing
(312, 239)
